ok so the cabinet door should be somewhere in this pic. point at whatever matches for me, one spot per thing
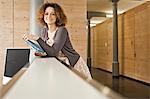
(109, 45)
(101, 48)
(141, 43)
(120, 42)
(149, 43)
(128, 45)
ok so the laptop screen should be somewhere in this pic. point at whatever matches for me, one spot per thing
(15, 60)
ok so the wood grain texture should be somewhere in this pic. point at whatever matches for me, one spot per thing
(6, 31)
(21, 21)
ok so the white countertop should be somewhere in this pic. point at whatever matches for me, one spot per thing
(47, 78)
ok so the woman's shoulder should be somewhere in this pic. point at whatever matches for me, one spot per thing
(62, 28)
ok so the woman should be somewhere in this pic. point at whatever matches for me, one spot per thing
(55, 38)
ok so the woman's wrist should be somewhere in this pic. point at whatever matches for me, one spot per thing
(36, 38)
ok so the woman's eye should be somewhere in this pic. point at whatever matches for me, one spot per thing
(53, 14)
(50, 14)
(46, 14)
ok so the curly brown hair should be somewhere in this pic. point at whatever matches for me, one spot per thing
(61, 18)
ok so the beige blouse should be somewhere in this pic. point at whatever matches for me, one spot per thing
(51, 35)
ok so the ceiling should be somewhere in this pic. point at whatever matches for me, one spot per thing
(106, 7)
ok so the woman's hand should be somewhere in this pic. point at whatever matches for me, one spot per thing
(30, 37)
(40, 54)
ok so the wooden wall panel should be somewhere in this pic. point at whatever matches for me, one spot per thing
(93, 48)
(21, 21)
(120, 43)
(149, 43)
(6, 31)
(142, 70)
(96, 42)
(141, 42)
(76, 14)
(128, 68)
(128, 44)
(101, 46)
(109, 44)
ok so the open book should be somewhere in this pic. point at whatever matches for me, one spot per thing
(36, 47)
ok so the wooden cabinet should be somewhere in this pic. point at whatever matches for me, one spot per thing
(109, 45)
(141, 43)
(101, 47)
(148, 43)
(128, 44)
(134, 43)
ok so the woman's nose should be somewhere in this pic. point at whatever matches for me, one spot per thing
(49, 15)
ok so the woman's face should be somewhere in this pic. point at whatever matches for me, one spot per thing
(49, 16)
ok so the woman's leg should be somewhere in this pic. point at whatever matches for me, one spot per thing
(81, 67)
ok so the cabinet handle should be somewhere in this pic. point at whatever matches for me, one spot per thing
(131, 42)
(134, 54)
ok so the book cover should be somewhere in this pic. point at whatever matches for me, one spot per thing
(35, 46)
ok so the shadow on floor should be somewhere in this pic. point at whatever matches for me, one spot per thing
(129, 88)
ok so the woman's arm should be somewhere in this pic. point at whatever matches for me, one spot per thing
(59, 41)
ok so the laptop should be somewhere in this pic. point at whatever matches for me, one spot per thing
(15, 60)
